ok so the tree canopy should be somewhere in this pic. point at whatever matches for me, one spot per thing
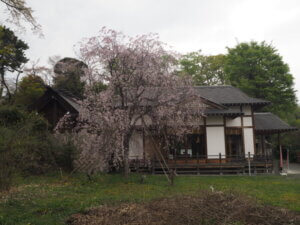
(141, 90)
(67, 76)
(12, 56)
(30, 89)
(258, 69)
(204, 70)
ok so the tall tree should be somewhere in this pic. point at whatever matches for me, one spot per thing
(259, 70)
(30, 89)
(68, 73)
(12, 56)
(19, 11)
(141, 91)
(204, 70)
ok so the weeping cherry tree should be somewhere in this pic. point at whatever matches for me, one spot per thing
(142, 93)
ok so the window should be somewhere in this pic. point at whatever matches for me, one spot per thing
(193, 145)
(234, 143)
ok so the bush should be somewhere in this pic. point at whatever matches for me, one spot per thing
(10, 116)
(64, 154)
(28, 147)
(6, 162)
(6, 171)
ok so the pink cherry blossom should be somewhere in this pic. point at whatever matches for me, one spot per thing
(142, 93)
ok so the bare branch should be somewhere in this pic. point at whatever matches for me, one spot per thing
(19, 11)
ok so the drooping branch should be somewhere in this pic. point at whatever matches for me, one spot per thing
(141, 92)
(18, 5)
(18, 11)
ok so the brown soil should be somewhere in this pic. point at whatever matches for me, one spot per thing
(210, 208)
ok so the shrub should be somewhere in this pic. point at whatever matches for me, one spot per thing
(6, 162)
(28, 147)
(10, 116)
(64, 153)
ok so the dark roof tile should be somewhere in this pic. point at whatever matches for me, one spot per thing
(228, 95)
(225, 112)
(268, 122)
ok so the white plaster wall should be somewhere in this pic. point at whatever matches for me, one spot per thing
(247, 121)
(248, 140)
(236, 122)
(136, 146)
(247, 110)
(215, 141)
(214, 120)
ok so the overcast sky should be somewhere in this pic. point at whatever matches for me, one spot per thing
(187, 25)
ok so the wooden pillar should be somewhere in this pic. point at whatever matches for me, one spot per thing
(220, 163)
(275, 161)
(205, 138)
(278, 140)
(249, 164)
(264, 145)
(280, 152)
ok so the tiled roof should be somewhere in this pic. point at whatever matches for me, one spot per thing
(228, 95)
(69, 98)
(225, 112)
(268, 122)
(220, 95)
(68, 101)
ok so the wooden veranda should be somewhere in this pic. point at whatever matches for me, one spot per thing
(204, 165)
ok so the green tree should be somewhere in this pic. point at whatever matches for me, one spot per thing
(67, 76)
(204, 70)
(30, 89)
(291, 140)
(258, 70)
(12, 56)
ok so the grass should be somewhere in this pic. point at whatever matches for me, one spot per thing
(51, 199)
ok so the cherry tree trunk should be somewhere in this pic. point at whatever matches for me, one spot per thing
(126, 155)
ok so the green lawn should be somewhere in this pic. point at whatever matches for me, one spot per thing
(50, 199)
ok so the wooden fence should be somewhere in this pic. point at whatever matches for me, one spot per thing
(206, 164)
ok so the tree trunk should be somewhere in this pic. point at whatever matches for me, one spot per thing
(1, 90)
(126, 155)
(3, 84)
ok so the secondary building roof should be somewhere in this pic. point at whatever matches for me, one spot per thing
(228, 96)
(226, 112)
(217, 97)
(55, 104)
(269, 123)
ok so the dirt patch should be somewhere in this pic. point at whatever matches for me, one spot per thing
(210, 208)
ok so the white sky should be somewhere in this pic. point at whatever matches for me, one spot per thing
(187, 25)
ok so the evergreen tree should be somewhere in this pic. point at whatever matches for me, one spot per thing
(30, 89)
(204, 70)
(67, 76)
(258, 70)
(12, 56)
